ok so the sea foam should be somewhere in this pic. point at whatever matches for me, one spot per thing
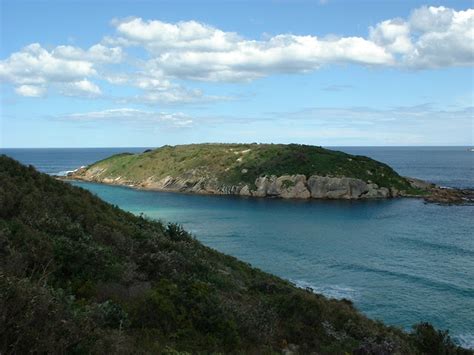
(330, 291)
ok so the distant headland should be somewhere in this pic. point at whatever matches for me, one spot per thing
(262, 170)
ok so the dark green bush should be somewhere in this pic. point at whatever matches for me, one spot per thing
(78, 275)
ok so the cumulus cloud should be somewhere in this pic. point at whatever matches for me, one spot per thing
(33, 69)
(30, 90)
(35, 65)
(157, 89)
(394, 35)
(159, 36)
(190, 50)
(98, 53)
(176, 119)
(430, 37)
(81, 88)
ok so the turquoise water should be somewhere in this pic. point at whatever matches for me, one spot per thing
(401, 261)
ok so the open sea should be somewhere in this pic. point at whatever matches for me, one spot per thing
(401, 261)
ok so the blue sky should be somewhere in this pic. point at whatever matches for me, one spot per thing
(143, 73)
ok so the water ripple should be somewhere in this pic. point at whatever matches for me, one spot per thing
(417, 279)
(436, 246)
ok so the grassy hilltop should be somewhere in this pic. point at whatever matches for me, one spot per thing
(234, 164)
(78, 275)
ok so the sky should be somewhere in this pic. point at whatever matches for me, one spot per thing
(149, 73)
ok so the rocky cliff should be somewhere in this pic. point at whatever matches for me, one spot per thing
(286, 186)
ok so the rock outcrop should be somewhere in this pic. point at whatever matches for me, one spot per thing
(286, 186)
(337, 188)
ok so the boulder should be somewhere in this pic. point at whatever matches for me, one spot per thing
(357, 188)
(293, 187)
(261, 184)
(273, 187)
(336, 188)
(245, 191)
(374, 191)
(394, 192)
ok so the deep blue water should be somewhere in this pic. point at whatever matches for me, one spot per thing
(59, 161)
(446, 166)
(401, 261)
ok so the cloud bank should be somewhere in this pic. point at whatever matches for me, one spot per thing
(34, 69)
(132, 115)
(432, 37)
(429, 38)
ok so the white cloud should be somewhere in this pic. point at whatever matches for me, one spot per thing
(172, 96)
(35, 65)
(281, 54)
(34, 69)
(190, 50)
(98, 53)
(430, 37)
(83, 88)
(30, 90)
(157, 36)
(156, 89)
(434, 19)
(176, 119)
(393, 35)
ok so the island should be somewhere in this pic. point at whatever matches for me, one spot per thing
(262, 170)
(81, 276)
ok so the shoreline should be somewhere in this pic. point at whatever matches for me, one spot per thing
(435, 193)
(288, 171)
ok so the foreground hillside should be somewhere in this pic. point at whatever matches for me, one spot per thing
(277, 170)
(78, 275)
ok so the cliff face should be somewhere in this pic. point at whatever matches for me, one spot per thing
(321, 187)
(284, 171)
(286, 186)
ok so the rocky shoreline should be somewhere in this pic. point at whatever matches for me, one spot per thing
(286, 187)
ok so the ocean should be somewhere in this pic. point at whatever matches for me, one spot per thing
(401, 261)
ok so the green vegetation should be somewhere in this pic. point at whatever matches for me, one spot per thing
(235, 164)
(78, 275)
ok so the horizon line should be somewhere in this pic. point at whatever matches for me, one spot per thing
(324, 146)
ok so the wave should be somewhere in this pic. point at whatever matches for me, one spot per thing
(436, 246)
(435, 284)
(65, 172)
(465, 340)
(330, 291)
